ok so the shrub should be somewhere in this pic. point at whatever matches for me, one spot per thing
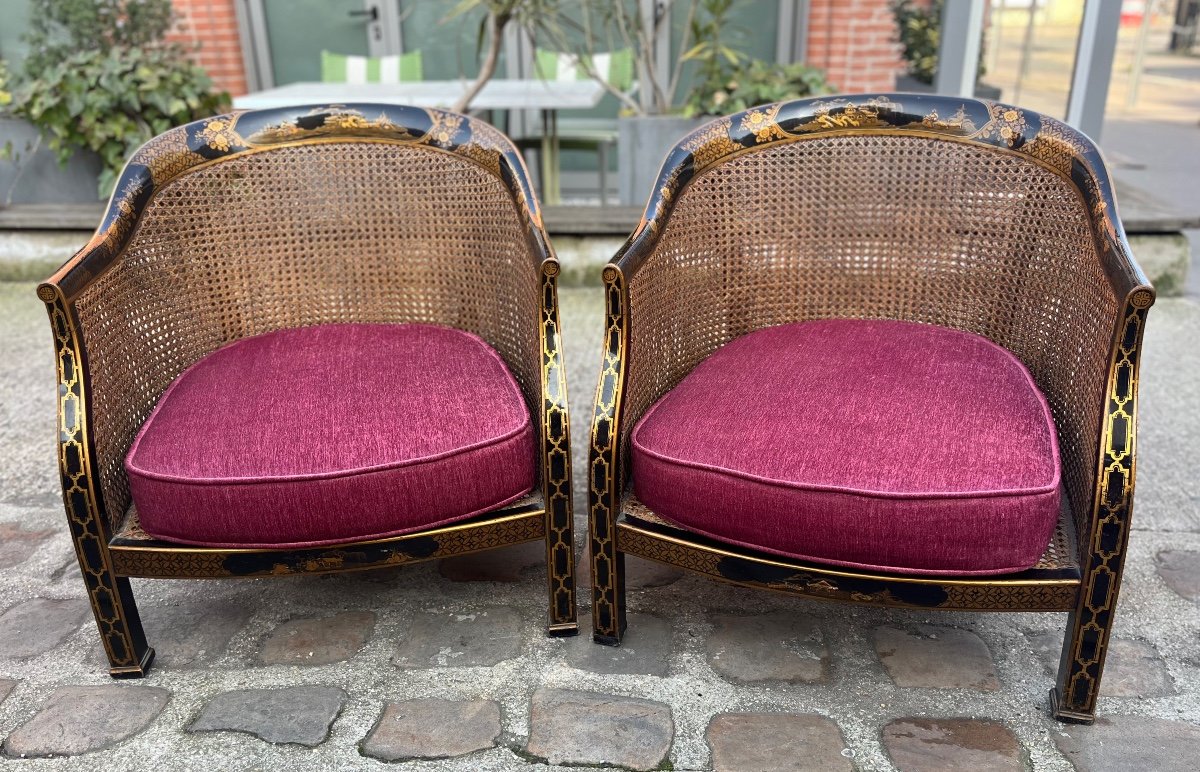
(757, 82)
(100, 76)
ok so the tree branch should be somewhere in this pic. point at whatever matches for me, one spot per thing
(684, 45)
(495, 40)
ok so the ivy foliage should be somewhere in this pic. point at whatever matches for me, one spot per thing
(101, 76)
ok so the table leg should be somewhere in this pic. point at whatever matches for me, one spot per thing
(551, 193)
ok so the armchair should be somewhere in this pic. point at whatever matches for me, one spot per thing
(997, 225)
(329, 246)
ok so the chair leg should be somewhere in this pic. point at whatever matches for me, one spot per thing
(608, 593)
(129, 656)
(110, 595)
(1073, 698)
(560, 564)
(602, 158)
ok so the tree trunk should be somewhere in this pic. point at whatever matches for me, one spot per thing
(495, 39)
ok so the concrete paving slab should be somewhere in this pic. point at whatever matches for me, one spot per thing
(952, 744)
(788, 648)
(318, 640)
(1121, 743)
(1180, 569)
(1131, 668)
(36, 626)
(474, 639)
(936, 657)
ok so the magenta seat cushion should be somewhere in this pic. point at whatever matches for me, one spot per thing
(880, 445)
(328, 434)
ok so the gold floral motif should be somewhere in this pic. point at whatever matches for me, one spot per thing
(1007, 123)
(1142, 299)
(219, 134)
(710, 144)
(122, 225)
(763, 124)
(1056, 144)
(486, 147)
(666, 193)
(445, 126)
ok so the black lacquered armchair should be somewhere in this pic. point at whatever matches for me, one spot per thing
(883, 350)
(309, 340)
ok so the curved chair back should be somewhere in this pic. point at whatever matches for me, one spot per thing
(255, 221)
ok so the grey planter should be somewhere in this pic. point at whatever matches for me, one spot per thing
(642, 145)
(36, 178)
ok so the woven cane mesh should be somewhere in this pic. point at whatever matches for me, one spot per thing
(881, 226)
(296, 236)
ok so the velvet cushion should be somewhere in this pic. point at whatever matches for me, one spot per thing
(881, 445)
(328, 434)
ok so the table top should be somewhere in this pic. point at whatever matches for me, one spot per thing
(497, 94)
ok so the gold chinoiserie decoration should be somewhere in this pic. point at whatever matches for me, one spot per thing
(968, 214)
(256, 221)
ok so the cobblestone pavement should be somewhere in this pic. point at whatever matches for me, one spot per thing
(447, 667)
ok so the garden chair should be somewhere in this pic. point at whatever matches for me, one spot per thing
(583, 134)
(880, 350)
(350, 68)
(306, 341)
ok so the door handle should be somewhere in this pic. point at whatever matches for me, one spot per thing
(372, 13)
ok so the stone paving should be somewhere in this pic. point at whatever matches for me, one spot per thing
(445, 666)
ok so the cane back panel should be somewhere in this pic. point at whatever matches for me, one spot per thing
(252, 222)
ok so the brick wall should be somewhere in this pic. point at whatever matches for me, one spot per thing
(212, 25)
(854, 41)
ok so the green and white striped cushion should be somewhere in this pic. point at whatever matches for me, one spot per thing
(341, 68)
(615, 67)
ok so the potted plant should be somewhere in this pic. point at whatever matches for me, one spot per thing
(99, 81)
(919, 31)
(725, 80)
(30, 173)
(651, 120)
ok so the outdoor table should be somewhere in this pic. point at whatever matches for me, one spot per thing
(547, 96)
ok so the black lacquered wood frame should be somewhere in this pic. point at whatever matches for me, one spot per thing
(111, 547)
(1087, 588)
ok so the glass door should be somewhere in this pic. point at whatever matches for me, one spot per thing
(290, 34)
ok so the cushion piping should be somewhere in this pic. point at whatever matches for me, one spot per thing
(130, 458)
(349, 540)
(1010, 492)
(865, 567)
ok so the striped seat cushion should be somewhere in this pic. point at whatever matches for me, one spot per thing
(343, 68)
